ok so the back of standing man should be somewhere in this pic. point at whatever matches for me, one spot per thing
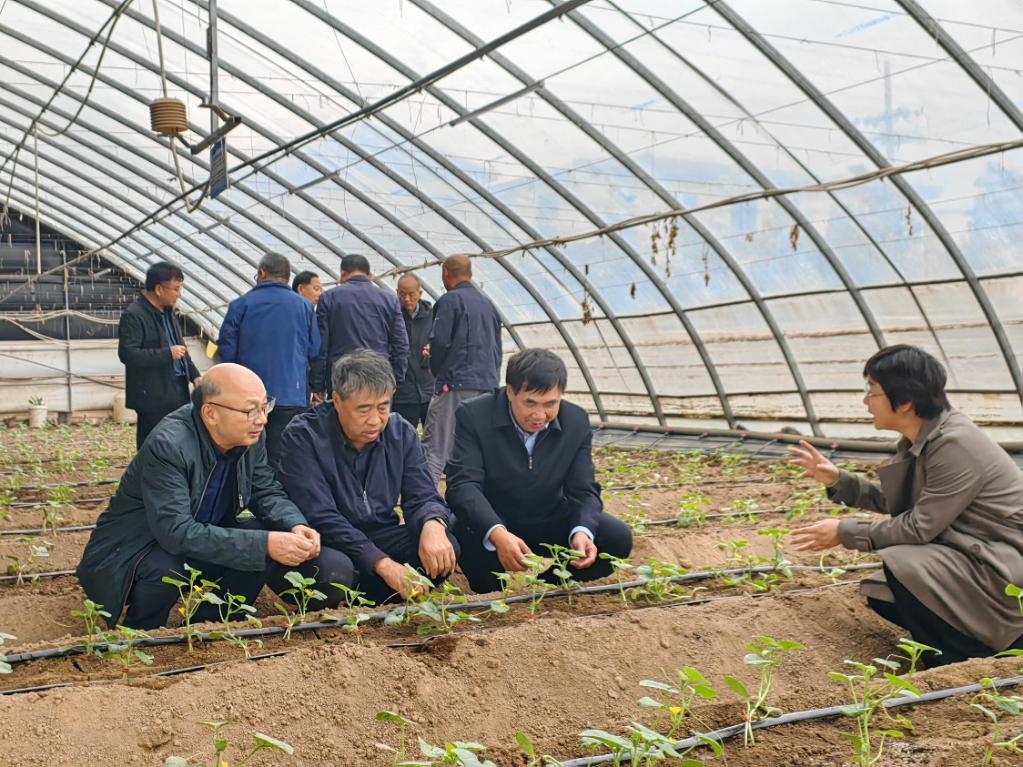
(412, 398)
(157, 367)
(272, 331)
(465, 356)
(357, 314)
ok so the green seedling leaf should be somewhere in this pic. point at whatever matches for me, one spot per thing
(525, 744)
(174, 581)
(737, 687)
(1014, 591)
(390, 716)
(265, 741)
(693, 675)
(647, 702)
(654, 685)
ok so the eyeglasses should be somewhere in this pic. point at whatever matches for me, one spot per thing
(251, 413)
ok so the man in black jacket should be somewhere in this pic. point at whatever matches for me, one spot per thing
(412, 398)
(178, 504)
(465, 356)
(521, 475)
(157, 367)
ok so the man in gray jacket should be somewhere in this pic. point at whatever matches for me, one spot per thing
(178, 503)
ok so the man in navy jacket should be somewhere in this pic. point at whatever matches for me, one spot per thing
(465, 356)
(272, 331)
(521, 475)
(358, 315)
(347, 464)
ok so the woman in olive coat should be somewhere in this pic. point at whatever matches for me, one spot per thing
(952, 537)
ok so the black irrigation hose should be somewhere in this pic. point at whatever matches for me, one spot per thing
(828, 712)
(168, 672)
(424, 643)
(483, 604)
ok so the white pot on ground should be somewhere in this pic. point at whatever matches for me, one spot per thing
(37, 416)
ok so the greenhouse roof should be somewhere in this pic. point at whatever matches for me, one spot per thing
(407, 130)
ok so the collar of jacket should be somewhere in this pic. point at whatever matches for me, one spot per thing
(149, 305)
(927, 430)
(466, 284)
(356, 278)
(271, 284)
(502, 416)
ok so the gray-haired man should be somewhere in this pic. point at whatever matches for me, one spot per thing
(347, 464)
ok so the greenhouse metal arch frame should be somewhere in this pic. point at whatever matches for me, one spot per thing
(619, 348)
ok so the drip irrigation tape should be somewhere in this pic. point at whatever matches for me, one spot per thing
(41, 504)
(84, 483)
(829, 712)
(418, 645)
(41, 531)
(166, 673)
(483, 604)
(35, 576)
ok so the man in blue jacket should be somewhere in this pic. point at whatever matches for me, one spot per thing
(347, 464)
(521, 476)
(272, 331)
(178, 504)
(465, 356)
(357, 314)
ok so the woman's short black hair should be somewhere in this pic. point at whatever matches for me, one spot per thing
(303, 278)
(536, 370)
(909, 374)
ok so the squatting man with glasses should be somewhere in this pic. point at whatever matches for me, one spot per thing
(179, 501)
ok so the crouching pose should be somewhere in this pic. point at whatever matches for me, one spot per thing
(521, 475)
(952, 537)
(348, 463)
(178, 503)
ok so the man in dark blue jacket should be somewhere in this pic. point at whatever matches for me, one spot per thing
(178, 504)
(521, 475)
(347, 464)
(273, 332)
(465, 356)
(357, 314)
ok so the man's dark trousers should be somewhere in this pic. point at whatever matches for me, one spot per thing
(148, 419)
(333, 566)
(612, 537)
(413, 412)
(151, 600)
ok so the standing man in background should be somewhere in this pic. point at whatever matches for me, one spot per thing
(307, 284)
(272, 331)
(157, 367)
(465, 356)
(412, 399)
(358, 315)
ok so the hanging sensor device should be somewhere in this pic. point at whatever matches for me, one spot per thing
(217, 139)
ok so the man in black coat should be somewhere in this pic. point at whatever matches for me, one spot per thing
(521, 475)
(157, 367)
(412, 397)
